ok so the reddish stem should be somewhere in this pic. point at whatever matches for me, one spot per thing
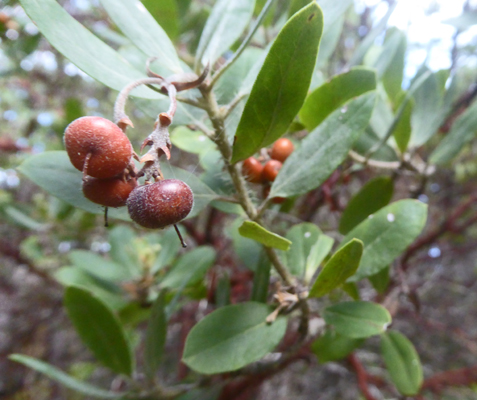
(362, 376)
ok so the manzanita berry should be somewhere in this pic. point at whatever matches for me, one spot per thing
(110, 192)
(270, 170)
(252, 170)
(160, 204)
(281, 149)
(98, 143)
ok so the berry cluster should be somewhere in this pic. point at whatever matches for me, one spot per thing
(102, 151)
(256, 172)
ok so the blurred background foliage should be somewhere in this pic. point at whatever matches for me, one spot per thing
(44, 241)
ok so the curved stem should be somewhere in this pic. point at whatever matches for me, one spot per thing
(120, 104)
(374, 163)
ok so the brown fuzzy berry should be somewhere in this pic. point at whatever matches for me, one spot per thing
(281, 149)
(160, 204)
(109, 148)
(110, 192)
(252, 170)
(270, 170)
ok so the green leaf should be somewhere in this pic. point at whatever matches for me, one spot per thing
(123, 252)
(230, 83)
(155, 336)
(98, 266)
(392, 77)
(352, 290)
(429, 112)
(334, 16)
(22, 219)
(338, 269)
(282, 84)
(303, 237)
(166, 14)
(333, 346)
(252, 230)
(389, 51)
(324, 149)
(248, 250)
(402, 130)
(387, 234)
(373, 195)
(132, 17)
(217, 36)
(402, 362)
(222, 291)
(107, 292)
(82, 48)
(232, 337)
(170, 246)
(317, 254)
(191, 141)
(370, 38)
(66, 380)
(99, 329)
(334, 93)
(357, 319)
(463, 131)
(380, 280)
(190, 268)
(261, 279)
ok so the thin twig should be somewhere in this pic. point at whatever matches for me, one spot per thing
(244, 44)
(362, 376)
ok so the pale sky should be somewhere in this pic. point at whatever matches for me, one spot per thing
(427, 35)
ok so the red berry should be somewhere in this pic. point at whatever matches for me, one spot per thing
(109, 148)
(270, 170)
(281, 149)
(110, 192)
(160, 204)
(252, 170)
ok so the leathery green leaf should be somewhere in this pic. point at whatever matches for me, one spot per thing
(66, 380)
(252, 230)
(357, 319)
(338, 269)
(324, 149)
(232, 337)
(99, 329)
(133, 18)
(463, 130)
(334, 93)
(333, 346)
(317, 254)
(217, 36)
(386, 234)
(374, 195)
(282, 84)
(303, 237)
(155, 336)
(402, 362)
(82, 48)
